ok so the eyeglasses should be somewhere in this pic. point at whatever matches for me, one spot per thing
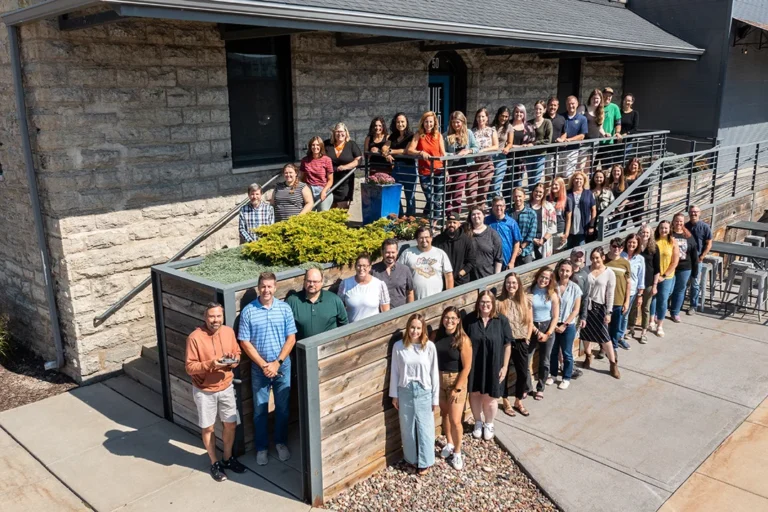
(313, 281)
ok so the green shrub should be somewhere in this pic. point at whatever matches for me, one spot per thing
(229, 266)
(5, 338)
(322, 237)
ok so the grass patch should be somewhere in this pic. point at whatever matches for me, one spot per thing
(229, 266)
(5, 338)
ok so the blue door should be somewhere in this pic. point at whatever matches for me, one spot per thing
(439, 95)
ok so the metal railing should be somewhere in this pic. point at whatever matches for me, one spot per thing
(454, 183)
(705, 178)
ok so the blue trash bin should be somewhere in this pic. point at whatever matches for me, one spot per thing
(380, 201)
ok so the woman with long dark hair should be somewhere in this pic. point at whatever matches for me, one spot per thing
(546, 311)
(454, 361)
(558, 197)
(636, 200)
(646, 249)
(569, 295)
(404, 170)
(516, 306)
(669, 255)
(317, 172)
(537, 159)
(502, 125)
(375, 143)
(580, 211)
(602, 282)
(487, 245)
(291, 196)
(414, 386)
(687, 267)
(491, 349)
(480, 175)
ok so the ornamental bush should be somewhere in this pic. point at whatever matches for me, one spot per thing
(321, 237)
(404, 228)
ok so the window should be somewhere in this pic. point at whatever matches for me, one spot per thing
(260, 100)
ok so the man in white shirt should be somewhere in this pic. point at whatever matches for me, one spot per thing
(429, 265)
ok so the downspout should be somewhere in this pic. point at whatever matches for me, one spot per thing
(21, 112)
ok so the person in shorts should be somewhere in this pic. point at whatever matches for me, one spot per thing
(212, 388)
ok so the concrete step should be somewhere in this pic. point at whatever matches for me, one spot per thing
(150, 352)
(137, 393)
(145, 372)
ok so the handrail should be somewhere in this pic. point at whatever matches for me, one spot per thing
(224, 219)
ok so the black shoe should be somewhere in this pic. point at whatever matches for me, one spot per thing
(600, 355)
(217, 472)
(234, 465)
(576, 373)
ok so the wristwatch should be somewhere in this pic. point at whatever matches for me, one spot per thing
(280, 361)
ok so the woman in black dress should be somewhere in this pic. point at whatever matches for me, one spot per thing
(404, 172)
(375, 145)
(491, 338)
(487, 244)
(345, 155)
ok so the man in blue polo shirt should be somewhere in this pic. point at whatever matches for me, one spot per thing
(267, 335)
(702, 233)
(575, 130)
(508, 231)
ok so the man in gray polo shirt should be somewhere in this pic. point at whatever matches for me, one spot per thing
(395, 275)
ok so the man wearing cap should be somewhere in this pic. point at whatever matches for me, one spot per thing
(459, 248)
(612, 127)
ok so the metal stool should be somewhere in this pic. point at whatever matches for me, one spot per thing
(757, 241)
(749, 280)
(706, 284)
(717, 268)
(742, 258)
(735, 269)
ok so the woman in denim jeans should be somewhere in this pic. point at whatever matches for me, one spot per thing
(565, 332)
(502, 125)
(428, 142)
(669, 254)
(459, 141)
(687, 266)
(404, 171)
(542, 129)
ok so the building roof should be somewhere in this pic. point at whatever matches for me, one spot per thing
(595, 26)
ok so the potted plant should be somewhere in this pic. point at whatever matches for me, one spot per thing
(380, 197)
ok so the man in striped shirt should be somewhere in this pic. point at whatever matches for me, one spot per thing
(254, 214)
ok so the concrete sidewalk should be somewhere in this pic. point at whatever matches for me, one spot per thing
(96, 449)
(629, 444)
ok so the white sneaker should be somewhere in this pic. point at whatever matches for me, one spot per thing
(282, 452)
(447, 451)
(456, 461)
(564, 384)
(652, 327)
(559, 378)
(550, 381)
(262, 457)
(488, 431)
(660, 332)
(477, 433)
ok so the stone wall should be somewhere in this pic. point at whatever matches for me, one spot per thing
(598, 75)
(22, 288)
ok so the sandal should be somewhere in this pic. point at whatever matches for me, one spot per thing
(507, 408)
(538, 396)
(522, 410)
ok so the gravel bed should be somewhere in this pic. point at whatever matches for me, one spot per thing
(490, 480)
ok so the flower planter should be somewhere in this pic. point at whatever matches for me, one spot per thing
(380, 200)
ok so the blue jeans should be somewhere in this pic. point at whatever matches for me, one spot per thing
(536, 167)
(659, 303)
(417, 424)
(615, 326)
(564, 342)
(435, 197)
(678, 292)
(405, 174)
(625, 318)
(499, 171)
(696, 289)
(281, 388)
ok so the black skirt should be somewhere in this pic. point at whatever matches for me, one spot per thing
(346, 190)
(596, 330)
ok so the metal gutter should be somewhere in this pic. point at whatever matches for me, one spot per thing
(21, 113)
(44, 10)
(722, 75)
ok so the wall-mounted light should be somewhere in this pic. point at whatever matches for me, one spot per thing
(744, 51)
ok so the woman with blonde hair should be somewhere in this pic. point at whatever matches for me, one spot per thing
(558, 197)
(428, 142)
(580, 211)
(414, 386)
(454, 361)
(647, 249)
(521, 134)
(491, 338)
(345, 155)
(669, 256)
(480, 175)
(459, 141)
(317, 172)
(547, 225)
(515, 304)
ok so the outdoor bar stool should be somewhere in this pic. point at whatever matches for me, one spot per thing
(707, 283)
(735, 269)
(717, 268)
(742, 258)
(757, 241)
(749, 280)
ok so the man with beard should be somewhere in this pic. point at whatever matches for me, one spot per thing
(428, 265)
(395, 275)
(459, 248)
(316, 310)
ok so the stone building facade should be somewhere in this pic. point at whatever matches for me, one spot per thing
(130, 130)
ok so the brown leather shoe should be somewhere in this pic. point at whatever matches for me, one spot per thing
(615, 371)
(587, 364)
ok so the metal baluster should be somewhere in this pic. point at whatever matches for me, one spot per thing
(690, 182)
(736, 171)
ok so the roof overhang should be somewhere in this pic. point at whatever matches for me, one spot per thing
(280, 15)
(756, 24)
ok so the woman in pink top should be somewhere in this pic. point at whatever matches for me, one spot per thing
(317, 172)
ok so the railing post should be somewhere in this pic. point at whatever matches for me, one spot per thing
(514, 177)
(590, 171)
(736, 172)
(432, 196)
(754, 168)
(659, 192)
(690, 182)
(367, 167)
(714, 179)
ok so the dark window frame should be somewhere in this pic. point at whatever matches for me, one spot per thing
(281, 47)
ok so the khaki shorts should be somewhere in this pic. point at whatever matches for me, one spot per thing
(447, 381)
(210, 403)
